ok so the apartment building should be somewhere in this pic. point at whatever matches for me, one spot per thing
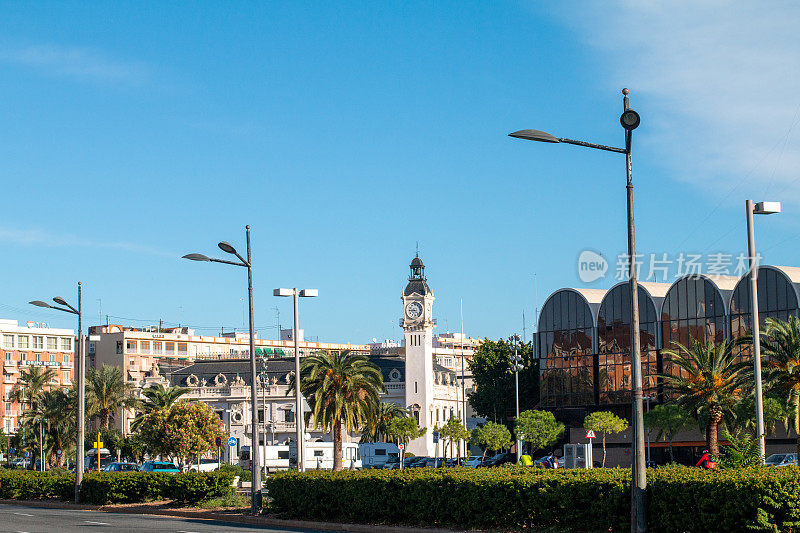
(34, 344)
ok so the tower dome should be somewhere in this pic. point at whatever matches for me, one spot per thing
(416, 280)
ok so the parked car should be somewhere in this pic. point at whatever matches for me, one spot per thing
(19, 463)
(407, 462)
(391, 464)
(202, 465)
(474, 461)
(500, 459)
(121, 467)
(434, 462)
(91, 464)
(419, 462)
(546, 462)
(160, 466)
(782, 459)
(454, 461)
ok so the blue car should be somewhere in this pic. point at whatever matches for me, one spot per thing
(160, 466)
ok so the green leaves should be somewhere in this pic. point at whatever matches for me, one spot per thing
(492, 436)
(539, 428)
(186, 428)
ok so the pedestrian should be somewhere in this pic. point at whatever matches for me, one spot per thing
(706, 462)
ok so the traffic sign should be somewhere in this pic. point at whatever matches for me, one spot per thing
(58, 452)
(590, 434)
(435, 437)
(401, 446)
(232, 441)
(218, 441)
(12, 450)
(26, 455)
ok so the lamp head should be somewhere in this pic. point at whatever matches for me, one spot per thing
(196, 257)
(39, 303)
(767, 208)
(535, 135)
(630, 119)
(226, 247)
(60, 301)
(309, 293)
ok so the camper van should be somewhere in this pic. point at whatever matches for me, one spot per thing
(377, 454)
(271, 458)
(319, 456)
(95, 461)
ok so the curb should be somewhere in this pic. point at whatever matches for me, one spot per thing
(237, 519)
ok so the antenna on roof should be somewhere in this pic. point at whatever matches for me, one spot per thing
(417, 249)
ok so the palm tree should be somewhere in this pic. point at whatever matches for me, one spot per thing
(384, 413)
(59, 410)
(709, 384)
(156, 397)
(32, 383)
(780, 346)
(341, 388)
(107, 393)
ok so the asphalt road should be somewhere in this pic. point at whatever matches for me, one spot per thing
(19, 519)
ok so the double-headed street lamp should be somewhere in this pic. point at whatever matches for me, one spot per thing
(81, 376)
(255, 487)
(629, 121)
(299, 420)
(761, 208)
(516, 365)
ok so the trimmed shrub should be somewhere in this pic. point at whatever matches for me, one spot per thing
(680, 499)
(114, 487)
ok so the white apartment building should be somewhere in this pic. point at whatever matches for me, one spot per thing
(31, 345)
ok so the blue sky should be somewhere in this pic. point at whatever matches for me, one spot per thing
(344, 133)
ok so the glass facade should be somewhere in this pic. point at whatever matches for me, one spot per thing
(584, 364)
(614, 377)
(566, 327)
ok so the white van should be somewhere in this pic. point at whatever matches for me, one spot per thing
(272, 458)
(377, 454)
(319, 456)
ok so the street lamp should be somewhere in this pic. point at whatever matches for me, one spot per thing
(516, 364)
(630, 121)
(81, 375)
(255, 487)
(761, 208)
(299, 421)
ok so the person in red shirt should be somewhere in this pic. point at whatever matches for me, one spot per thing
(706, 462)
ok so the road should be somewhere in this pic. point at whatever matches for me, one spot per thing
(23, 519)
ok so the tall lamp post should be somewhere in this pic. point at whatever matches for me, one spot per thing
(516, 365)
(255, 487)
(299, 421)
(761, 208)
(629, 121)
(81, 375)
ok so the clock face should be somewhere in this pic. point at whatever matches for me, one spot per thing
(414, 310)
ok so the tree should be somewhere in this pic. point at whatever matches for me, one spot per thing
(743, 417)
(538, 428)
(492, 436)
(32, 383)
(185, 429)
(107, 393)
(669, 420)
(342, 389)
(375, 430)
(708, 384)
(403, 430)
(780, 346)
(156, 397)
(59, 409)
(605, 422)
(453, 432)
(493, 396)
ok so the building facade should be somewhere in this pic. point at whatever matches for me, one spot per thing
(28, 346)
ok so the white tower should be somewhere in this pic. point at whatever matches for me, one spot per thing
(418, 325)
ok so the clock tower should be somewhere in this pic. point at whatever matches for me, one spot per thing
(418, 326)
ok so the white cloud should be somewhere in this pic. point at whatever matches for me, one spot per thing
(35, 237)
(721, 81)
(80, 63)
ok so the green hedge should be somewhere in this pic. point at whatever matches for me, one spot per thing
(114, 487)
(680, 499)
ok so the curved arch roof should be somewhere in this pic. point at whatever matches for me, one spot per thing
(592, 297)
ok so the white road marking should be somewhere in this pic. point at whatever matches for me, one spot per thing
(181, 531)
(97, 523)
(23, 514)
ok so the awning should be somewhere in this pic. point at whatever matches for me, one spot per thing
(263, 351)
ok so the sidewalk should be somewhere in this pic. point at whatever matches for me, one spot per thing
(227, 515)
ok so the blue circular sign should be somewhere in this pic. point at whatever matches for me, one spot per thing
(12, 450)
(26, 455)
(231, 441)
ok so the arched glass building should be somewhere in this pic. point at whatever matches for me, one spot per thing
(584, 334)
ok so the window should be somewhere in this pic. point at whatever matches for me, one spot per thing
(66, 375)
(317, 453)
(9, 357)
(130, 346)
(24, 357)
(260, 416)
(8, 407)
(92, 348)
(144, 347)
(119, 347)
(283, 454)
(66, 359)
(132, 363)
(288, 416)
(379, 451)
(157, 346)
(22, 341)
(38, 357)
(8, 341)
(169, 348)
(66, 344)
(52, 358)
(38, 342)
(181, 348)
(52, 343)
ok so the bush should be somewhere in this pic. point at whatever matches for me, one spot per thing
(680, 499)
(31, 485)
(114, 487)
